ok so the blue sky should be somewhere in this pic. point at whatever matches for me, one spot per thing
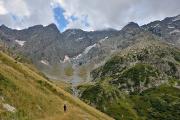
(60, 19)
(62, 22)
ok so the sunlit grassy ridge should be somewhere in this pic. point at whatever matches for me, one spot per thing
(34, 97)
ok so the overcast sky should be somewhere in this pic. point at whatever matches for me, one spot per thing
(84, 14)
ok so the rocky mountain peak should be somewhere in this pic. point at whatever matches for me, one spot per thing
(73, 31)
(36, 27)
(131, 25)
(4, 28)
(52, 26)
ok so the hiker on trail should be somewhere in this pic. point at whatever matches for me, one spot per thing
(65, 108)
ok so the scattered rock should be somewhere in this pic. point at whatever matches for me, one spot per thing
(1, 98)
(9, 108)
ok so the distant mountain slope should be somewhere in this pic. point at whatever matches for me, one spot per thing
(139, 82)
(50, 50)
(26, 95)
(168, 29)
(47, 48)
(105, 47)
(47, 41)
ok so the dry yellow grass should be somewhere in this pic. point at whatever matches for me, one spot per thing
(63, 85)
(39, 98)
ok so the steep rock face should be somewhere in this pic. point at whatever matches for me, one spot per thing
(36, 40)
(168, 29)
(78, 40)
(45, 43)
(129, 76)
(99, 51)
(149, 60)
(131, 27)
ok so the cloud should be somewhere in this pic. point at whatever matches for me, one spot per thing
(85, 14)
(24, 13)
(3, 11)
(17, 7)
(116, 13)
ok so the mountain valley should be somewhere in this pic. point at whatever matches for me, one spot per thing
(128, 74)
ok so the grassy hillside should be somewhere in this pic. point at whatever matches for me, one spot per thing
(140, 82)
(26, 95)
(153, 104)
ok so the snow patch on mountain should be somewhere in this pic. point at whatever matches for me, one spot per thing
(171, 27)
(176, 18)
(85, 52)
(89, 48)
(21, 43)
(45, 62)
(175, 31)
(78, 56)
(79, 39)
(157, 25)
(103, 39)
(66, 59)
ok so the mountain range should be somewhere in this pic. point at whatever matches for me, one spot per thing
(49, 49)
(131, 74)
